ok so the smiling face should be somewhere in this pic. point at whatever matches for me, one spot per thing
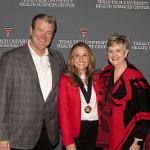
(41, 35)
(117, 54)
(80, 59)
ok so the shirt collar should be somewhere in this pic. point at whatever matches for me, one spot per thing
(33, 53)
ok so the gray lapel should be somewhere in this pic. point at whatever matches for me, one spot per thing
(31, 67)
(30, 63)
(54, 69)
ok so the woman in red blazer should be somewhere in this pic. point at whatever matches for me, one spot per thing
(78, 99)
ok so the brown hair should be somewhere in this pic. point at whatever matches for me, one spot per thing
(70, 66)
(49, 19)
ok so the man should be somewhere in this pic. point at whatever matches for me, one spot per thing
(28, 91)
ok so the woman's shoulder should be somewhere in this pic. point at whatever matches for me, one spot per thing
(95, 76)
(105, 70)
(64, 76)
(134, 71)
(67, 80)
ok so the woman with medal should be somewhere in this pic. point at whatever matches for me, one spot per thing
(124, 100)
(78, 99)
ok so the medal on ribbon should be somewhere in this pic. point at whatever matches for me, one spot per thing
(86, 94)
(88, 109)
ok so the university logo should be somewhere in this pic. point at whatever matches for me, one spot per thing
(8, 31)
(84, 32)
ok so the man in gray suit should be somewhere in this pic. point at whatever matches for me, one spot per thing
(29, 77)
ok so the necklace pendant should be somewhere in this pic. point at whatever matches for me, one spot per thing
(88, 109)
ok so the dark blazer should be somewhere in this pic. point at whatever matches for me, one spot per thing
(69, 106)
(22, 107)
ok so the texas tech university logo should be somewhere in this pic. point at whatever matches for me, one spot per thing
(8, 31)
(84, 32)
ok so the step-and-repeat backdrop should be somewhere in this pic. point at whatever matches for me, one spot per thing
(92, 21)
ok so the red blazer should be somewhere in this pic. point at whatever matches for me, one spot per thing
(69, 106)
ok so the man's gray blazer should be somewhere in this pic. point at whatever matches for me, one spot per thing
(22, 107)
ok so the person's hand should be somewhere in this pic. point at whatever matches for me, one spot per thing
(71, 147)
(134, 145)
(4, 145)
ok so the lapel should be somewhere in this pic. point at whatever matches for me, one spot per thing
(54, 69)
(31, 67)
(55, 73)
(30, 63)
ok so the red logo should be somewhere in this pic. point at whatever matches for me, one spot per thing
(8, 31)
(84, 32)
